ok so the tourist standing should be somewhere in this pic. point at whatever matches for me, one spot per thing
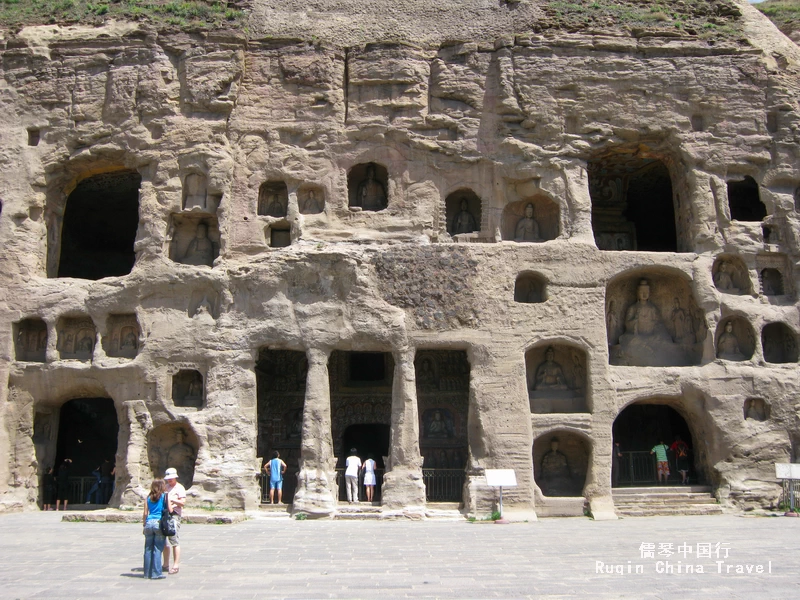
(154, 505)
(369, 477)
(176, 496)
(662, 462)
(49, 485)
(276, 468)
(107, 470)
(62, 483)
(681, 450)
(353, 465)
(616, 463)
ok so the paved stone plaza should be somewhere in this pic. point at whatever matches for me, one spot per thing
(42, 557)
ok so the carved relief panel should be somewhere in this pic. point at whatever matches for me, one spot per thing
(173, 445)
(122, 339)
(76, 338)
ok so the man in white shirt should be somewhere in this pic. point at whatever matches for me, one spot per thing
(353, 464)
(177, 495)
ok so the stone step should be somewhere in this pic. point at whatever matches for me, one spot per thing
(676, 510)
(358, 508)
(666, 499)
(661, 489)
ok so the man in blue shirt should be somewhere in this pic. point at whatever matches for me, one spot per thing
(276, 468)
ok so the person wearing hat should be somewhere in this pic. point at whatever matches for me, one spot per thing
(176, 494)
(353, 465)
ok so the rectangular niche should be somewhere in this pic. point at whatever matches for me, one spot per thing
(773, 271)
(273, 199)
(122, 339)
(196, 197)
(188, 390)
(76, 338)
(280, 238)
(30, 340)
(194, 240)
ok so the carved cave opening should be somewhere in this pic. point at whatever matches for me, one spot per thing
(188, 390)
(756, 409)
(442, 382)
(368, 187)
(101, 218)
(194, 240)
(273, 199)
(87, 435)
(30, 340)
(311, 200)
(561, 463)
(639, 428)
(462, 211)
(530, 288)
(779, 344)
(280, 238)
(122, 337)
(196, 196)
(361, 394)
(730, 275)
(534, 219)
(744, 200)
(771, 282)
(281, 391)
(173, 445)
(633, 207)
(76, 337)
(653, 320)
(556, 378)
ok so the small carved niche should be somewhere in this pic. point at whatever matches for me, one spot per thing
(311, 200)
(76, 338)
(34, 135)
(531, 220)
(463, 212)
(756, 409)
(194, 241)
(530, 288)
(771, 282)
(204, 302)
(273, 199)
(196, 196)
(735, 339)
(30, 340)
(730, 275)
(173, 445)
(560, 463)
(122, 340)
(779, 344)
(368, 187)
(744, 200)
(187, 389)
(556, 378)
(280, 237)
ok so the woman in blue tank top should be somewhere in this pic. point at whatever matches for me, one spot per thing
(153, 538)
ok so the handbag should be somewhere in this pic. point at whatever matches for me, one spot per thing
(167, 522)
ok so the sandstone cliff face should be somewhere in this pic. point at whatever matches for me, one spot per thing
(525, 119)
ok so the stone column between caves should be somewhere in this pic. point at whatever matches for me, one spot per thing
(402, 483)
(316, 480)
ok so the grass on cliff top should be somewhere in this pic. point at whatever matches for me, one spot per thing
(194, 14)
(784, 13)
(703, 18)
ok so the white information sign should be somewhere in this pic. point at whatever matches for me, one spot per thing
(785, 471)
(503, 477)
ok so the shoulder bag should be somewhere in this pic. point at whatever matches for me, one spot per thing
(167, 522)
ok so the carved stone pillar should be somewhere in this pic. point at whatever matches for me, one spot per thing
(316, 481)
(402, 482)
(133, 468)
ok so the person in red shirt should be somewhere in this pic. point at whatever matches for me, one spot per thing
(681, 452)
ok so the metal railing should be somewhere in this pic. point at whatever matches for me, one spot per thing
(76, 492)
(791, 494)
(640, 467)
(443, 485)
(362, 497)
(289, 486)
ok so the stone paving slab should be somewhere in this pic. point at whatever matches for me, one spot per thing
(43, 557)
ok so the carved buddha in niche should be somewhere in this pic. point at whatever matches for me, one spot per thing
(200, 250)
(527, 229)
(549, 374)
(556, 479)
(464, 222)
(681, 324)
(371, 194)
(181, 456)
(723, 279)
(312, 205)
(728, 344)
(642, 317)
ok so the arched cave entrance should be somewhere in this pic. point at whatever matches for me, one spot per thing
(100, 223)
(637, 429)
(281, 391)
(87, 435)
(632, 204)
(361, 408)
(561, 463)
(744, 200)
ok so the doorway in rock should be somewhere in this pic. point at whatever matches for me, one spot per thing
(361, 408)
(87, 435)
(281, 390)
(640, 427)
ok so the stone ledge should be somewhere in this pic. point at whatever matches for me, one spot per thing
(135, 516)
